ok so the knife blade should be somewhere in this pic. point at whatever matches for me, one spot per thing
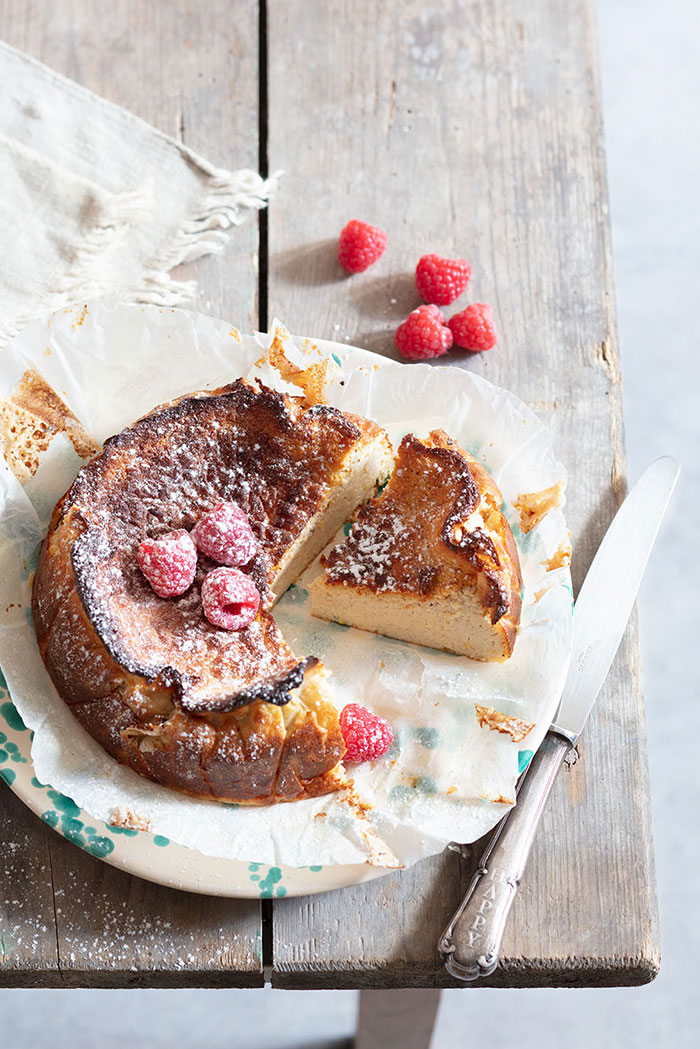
(471, 942)
(616, 572)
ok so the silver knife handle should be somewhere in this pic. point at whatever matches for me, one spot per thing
(471, 942)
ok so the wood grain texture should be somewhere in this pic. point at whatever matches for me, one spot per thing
(191, 70)
(69, 920)
(114, 930)
(28, 945)
(474, 128)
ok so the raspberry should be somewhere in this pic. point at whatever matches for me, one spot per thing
(360, 245)
(169, 563)
(225, 535)
(441, 281)
(473, 328)
(424, 334)
(366, 735)
(229, 598)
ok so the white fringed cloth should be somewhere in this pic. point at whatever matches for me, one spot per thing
(94, 200)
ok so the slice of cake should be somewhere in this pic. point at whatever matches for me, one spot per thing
(431, 560)
(228, 714)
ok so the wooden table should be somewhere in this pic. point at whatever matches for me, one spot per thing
(470, 129)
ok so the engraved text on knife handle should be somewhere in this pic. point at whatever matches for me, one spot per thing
(471, 942)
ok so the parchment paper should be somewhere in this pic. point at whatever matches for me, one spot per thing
(445, 778)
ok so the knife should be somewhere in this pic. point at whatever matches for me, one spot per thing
(471, 942)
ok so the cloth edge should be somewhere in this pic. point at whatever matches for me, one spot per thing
(226, 200)
(226, 197)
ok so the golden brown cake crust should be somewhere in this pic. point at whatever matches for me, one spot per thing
(180, 701)
(412, 539)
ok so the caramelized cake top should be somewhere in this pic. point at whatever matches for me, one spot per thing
(273, 455)
(436, 527)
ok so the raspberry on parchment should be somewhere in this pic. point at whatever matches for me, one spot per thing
(366, 735)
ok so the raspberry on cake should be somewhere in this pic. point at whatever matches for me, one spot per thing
(225, 535)
(169, 563)
(228, 714)
(432, 560)
(230, 598)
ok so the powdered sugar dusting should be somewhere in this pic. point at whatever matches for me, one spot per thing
(369, 554)
(247, 446)
(406, 541)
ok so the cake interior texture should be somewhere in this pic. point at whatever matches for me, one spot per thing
(366, 465)
(432, 560)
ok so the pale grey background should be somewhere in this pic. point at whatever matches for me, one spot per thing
(650, 56)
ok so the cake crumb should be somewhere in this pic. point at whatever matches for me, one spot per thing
(516, 728)
(129, 820)
(533, 507)
(561, 558)
(30, 417)
(379, 853)
(311, 380)
(498, 799)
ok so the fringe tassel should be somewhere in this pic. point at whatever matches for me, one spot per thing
(224, 203)
(78, 281)
(226, 198)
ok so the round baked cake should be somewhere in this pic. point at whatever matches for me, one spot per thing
(232, 715)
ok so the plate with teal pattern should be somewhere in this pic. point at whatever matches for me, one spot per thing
(153, 856)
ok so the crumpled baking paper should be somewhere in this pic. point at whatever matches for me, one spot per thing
(445, 778)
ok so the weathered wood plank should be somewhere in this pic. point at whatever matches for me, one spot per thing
(28, 941)
(191, 70)
(115, 930)
(474, 131)
(482, 143)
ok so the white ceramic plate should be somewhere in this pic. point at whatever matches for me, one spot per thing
(155, 857)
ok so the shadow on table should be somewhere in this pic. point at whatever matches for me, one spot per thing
(390, 298)
(313, 265)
